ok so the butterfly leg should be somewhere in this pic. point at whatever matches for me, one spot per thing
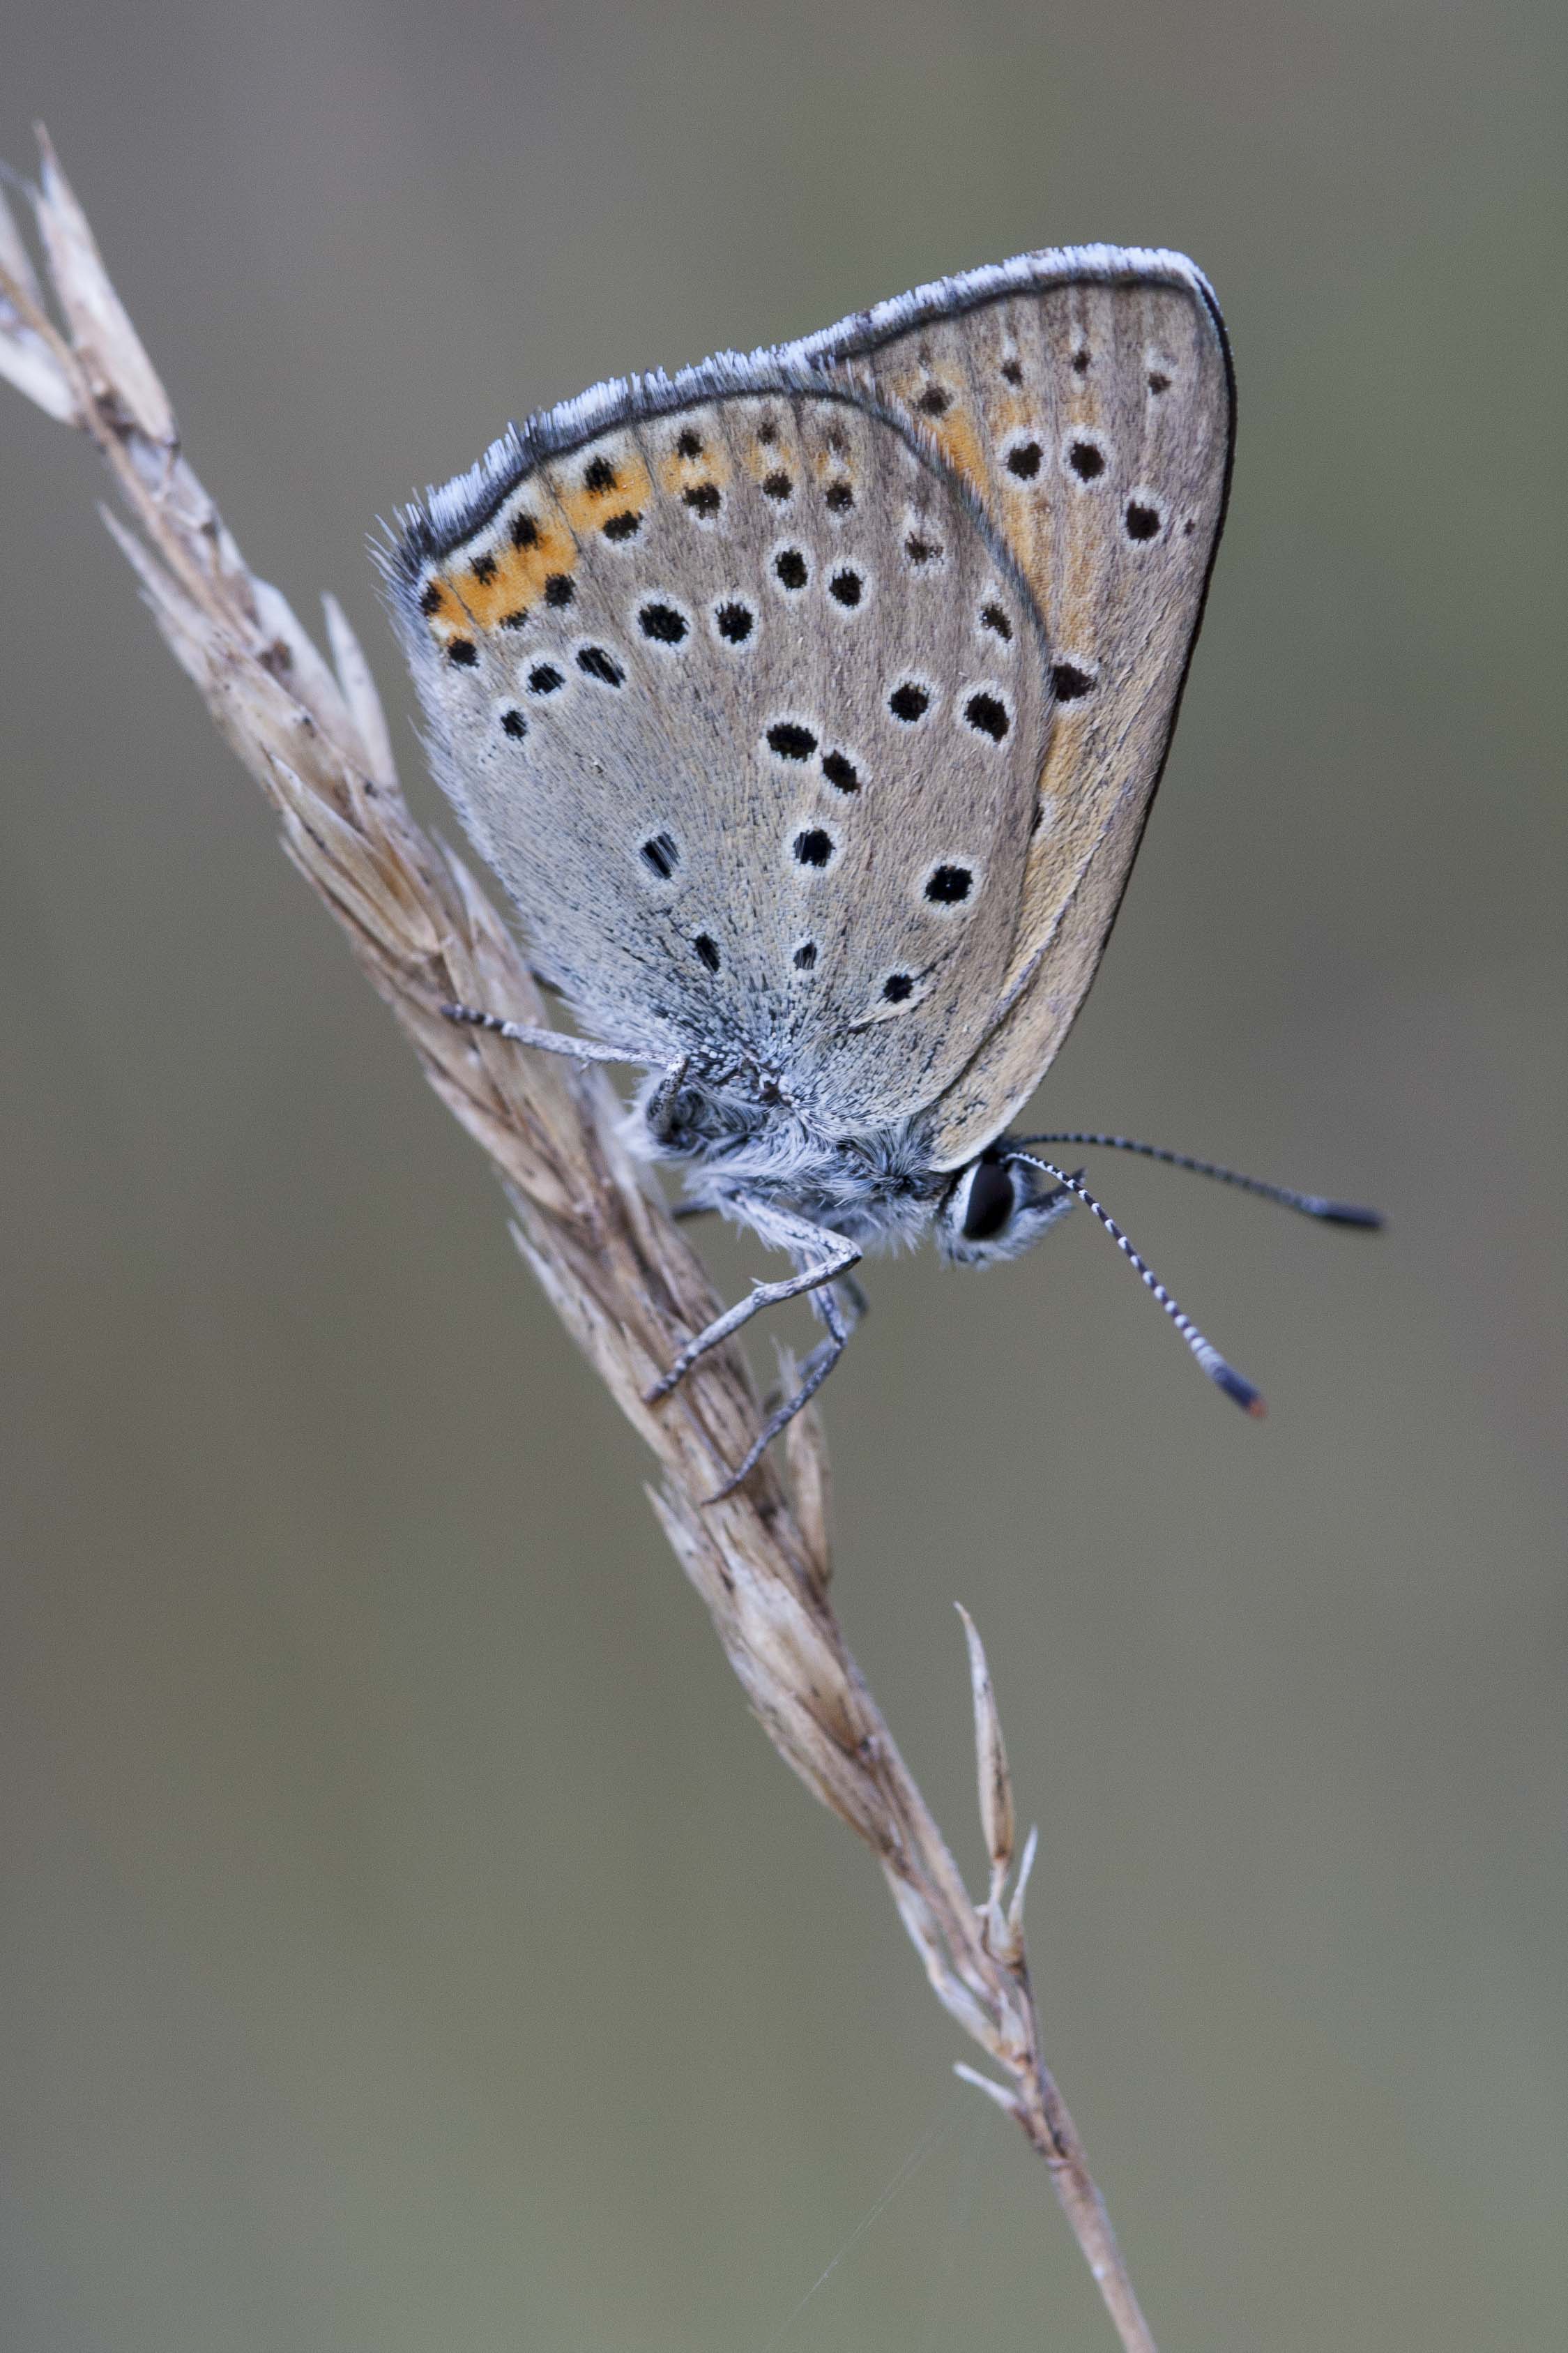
(830, 1304)
(826, 1258)
(548, 1041)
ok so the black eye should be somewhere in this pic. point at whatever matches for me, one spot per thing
(990, 1203)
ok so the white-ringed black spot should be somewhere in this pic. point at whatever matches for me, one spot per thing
(734, 622)
(598, 476)
(899, 987)
(1080, 360)
(707, 951)
(909, 701)
(813, 847)
(704, 499)
(767, 429)
(920, 550)
(845, 588)
(463, 653)
(688, 444)
(1023, 460)
(660, 854)
(544, 679)
(623, 526)
(1159, 381)
(841, 772)
(934, 401)
(663, 624)
(513, 724)
(595, 663)
(987, 715)
(787, 740)
(1070, 682)
(559, 591)
(1087, 460)
(524, 530)
(838, 498)
(1012, 372)
(993, 618)
(804, 955)
(777, 485)
(792, 569)
(949, 886)
(1142, 521)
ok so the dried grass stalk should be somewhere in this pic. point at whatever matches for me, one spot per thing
(615, 1268)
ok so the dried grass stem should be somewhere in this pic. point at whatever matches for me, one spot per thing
(606, 1251)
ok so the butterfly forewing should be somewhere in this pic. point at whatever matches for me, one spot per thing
(1086, 398)
(747, 706)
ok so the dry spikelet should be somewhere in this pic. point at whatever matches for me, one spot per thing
(606, 1254)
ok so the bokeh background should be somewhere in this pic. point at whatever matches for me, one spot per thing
(409, 1941)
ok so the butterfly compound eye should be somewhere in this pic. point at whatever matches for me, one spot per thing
(990, 1203)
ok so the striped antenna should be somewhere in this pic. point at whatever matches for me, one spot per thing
(1223, 1376)
(1311, 1204)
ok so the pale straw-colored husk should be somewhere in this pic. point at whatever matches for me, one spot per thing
(625, 1285)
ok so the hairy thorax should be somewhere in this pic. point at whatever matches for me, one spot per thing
(740, 1136)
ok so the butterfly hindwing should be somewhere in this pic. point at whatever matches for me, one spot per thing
(1085, 397)
(746, 705)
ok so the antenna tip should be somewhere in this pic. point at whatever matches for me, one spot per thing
(1346, 1213)
(1226, 1376)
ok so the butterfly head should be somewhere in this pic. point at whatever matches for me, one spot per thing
(996, 1208)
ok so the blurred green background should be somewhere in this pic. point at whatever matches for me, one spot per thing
(410, 1942)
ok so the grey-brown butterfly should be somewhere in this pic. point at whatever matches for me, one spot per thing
(810, 707)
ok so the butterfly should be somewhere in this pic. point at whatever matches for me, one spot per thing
(810, 706)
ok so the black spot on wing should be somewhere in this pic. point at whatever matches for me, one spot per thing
(789, 740)
(987, 715)
(596, 663)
